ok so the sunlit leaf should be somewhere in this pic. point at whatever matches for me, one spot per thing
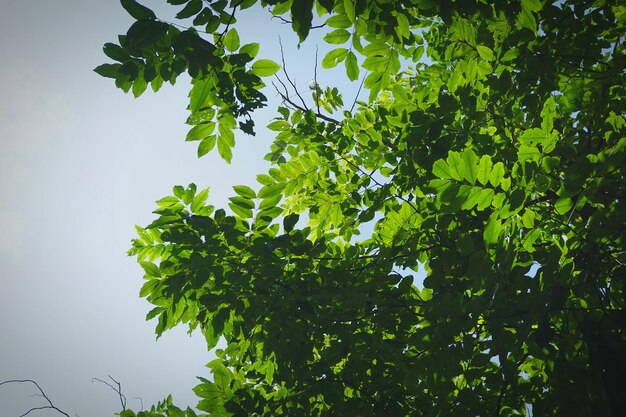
(265, 67)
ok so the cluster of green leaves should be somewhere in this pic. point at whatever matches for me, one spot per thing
(163, 408)
(496, 165)
(226, 76)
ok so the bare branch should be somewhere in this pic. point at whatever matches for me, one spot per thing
(50, 405)
(117, 389)
(357, 94)
(285, 93)
(293, 84)
(316, 85)
(287, 21)
(140, 401)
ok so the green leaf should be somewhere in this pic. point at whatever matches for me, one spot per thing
(478, 197)
(279, 126)
(337, 36)
(199, 93)
(272, 213)
(528, 218)
(456, 164)
(376, 49)
(485, 198)
(115, 52)
(485, 53)
(168, 201)
(548, 113)
(192, 8)
(231, 40)
(224, 148)
(108, 70)
(190, 193)
(206, 145)
(174, 411)
(242, 202)
(270, 190)
(199, 200)
(264, 179)
(532, 5)
(376, 63)
(270, 202)
(352, 66)
(240, 211)
(402, 28)
(529, 239)
(252, 49)
(334, 57)
(550, 163)
(532, 137)
(526, 19)
(302, 15)
(151, 269)
(290, 221)
(137, 10)
(470, 163)
(244, 191)
(492, 231)
(441, 169)
(339, 21)
(157, 83)
(348, 6)
(139, 86)
(525, 152)
(281, 7)
(265, 67)
(497, 173)
(208, 390)
(144, 33)
(200, 131)
(563, 205)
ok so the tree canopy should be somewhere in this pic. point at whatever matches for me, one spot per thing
(488, 150)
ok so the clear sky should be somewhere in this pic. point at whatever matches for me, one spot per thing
(80, 164)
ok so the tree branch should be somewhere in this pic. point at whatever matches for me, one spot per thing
(50, 405)
(287, 21)
(293, 84)
(117, 389)
(287, 100)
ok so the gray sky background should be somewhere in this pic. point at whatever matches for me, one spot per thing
(80, 164)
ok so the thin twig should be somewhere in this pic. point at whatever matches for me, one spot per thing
(357, 94)
(293, 84)
(230, 21)
(117, 389)
(50, 406)
(140, 401)
(316, 85)
(287, 21)
(287, 100)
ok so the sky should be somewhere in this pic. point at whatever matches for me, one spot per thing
(80, 164)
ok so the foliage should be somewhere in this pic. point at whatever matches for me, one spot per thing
(489, 152)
